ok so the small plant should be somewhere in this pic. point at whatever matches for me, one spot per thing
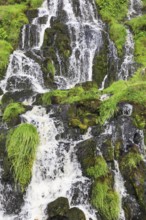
(21, 146)
(12, 111)
(51, 68)
(100, 168)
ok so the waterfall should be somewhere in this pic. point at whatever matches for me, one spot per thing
(56, 170)
(127, 67)
(86, 38)
(119, 187)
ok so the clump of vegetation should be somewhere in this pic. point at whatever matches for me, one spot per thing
(5, 50)
(21, 146)
(100, 168)
(51, 68)
(104, 197)
(107, 201)
(138, 27)
(131, 160)
(114, 12)
(78, 93)
(132, 91)
(12, 111)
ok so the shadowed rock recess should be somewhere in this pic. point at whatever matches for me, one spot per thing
(72, 110)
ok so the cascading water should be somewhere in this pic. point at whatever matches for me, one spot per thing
(86, 38)
(127, 68)
(56, 171)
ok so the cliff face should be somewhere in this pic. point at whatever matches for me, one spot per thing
(77, 75)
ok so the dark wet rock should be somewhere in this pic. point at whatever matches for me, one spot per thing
(108, 151)
(31, 37)
(1, 91)
(57, 40)
(21, 96)
(86, 152)
(59, 210)
(31, 14)
(100, 63)
(75, 213)
(58, 207)
(132, 209)
(58, 217)
(21, 83)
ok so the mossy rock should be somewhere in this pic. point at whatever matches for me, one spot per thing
(100, 63)
(108, 151)
(58, 207)
(86, 153)
(133, 169)
(75, 214)
(59, 210)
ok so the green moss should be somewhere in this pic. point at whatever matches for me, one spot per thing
(51, 69)
(35, 3)
(138, 26)
(77, 123)
(99, 169)
(118, 35)
(21, 147)
(116, 9)
(12, 111)
(107, 201)
(114, 12)
(132, 91)
(131, 160)
(139, 121)
(73, 95)
(5, 50)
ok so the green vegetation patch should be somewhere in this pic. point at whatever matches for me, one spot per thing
(99, 169)
(5, 50)
(132, 91)
(107, 201)
(104, 197)
(12, 111)
(78, 93)
(21, 146)
(114, 12)
(138, 26)
(131, 160)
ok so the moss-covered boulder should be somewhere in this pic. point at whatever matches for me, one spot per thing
(56, 43)
(86, 152)
(133, 169)
(59, 210)
(12, 112)
(58, 207)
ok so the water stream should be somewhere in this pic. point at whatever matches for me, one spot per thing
(56, 171)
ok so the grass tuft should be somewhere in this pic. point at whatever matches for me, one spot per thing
(12, 111)
(21, 146)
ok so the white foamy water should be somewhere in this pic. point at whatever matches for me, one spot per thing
(55, 172)
(119, 187)
(86, 39)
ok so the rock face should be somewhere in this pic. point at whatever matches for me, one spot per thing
(59, 210)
